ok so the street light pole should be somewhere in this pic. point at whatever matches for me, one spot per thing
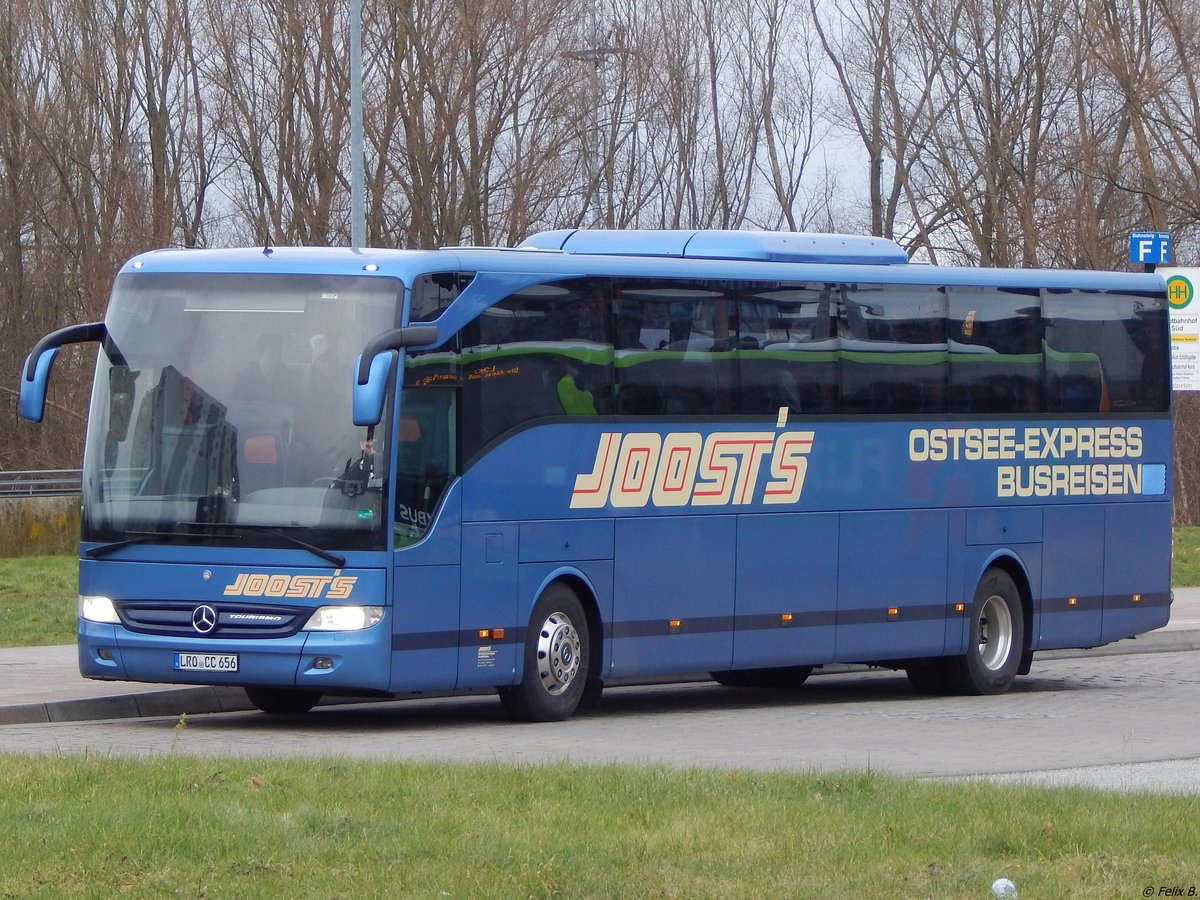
(593, 151)
(358, 215)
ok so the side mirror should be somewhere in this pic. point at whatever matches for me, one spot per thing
(374, 368)
(367, 399)
(36, 372)
(32, 402)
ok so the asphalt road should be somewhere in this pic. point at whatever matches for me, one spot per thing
(1114, 721)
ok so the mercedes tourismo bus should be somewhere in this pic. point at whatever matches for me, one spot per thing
(612, 455)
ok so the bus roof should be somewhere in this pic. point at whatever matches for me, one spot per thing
(759, 246)
(667, 254)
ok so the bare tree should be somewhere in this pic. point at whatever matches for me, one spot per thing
(784, 74)
(477, 126)
(1144, 52)
(887, 73)
(179, 145)
(1008, 132)
(1003, 88)
(72, 189)
(280, 68)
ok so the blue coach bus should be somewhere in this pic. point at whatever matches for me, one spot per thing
(613, 455)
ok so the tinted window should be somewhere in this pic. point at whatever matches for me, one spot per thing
(673, 347)
(995, 350)
(433, 293)
(1104, 352)
(676, 347)
(544, 351)
(787, 350)
(426, 458)
(893, 349)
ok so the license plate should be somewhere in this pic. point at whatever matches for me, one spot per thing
(206, 662)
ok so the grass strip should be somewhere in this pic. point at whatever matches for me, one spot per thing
(1185, 560)
(38, 600)
(80, 826)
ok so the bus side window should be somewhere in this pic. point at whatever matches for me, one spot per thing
(1098, 357)
(995, 341)
(433, 293)
(542, 352)
(639, 388)
(893, 351)
(677, 350)
(426, 457)
(787, 350)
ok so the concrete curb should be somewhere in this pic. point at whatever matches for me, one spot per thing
(173, 702)
(197, 700)
(1179, 641)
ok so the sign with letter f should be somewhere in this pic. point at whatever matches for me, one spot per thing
(1150, 248)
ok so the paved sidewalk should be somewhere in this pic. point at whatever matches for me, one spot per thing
(43, 684)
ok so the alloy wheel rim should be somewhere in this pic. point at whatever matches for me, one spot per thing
(995, 633)
(558, 653)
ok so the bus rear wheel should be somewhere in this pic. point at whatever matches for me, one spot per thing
(996, 640)
(557, 660)
(282, 701)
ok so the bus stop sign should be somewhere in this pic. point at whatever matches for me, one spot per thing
(1151, 248)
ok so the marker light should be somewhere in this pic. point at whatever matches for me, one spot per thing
(344, 618)
(98, 609)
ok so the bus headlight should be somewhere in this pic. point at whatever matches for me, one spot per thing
(98, 609)
(344, 618)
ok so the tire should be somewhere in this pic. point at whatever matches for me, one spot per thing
(592, 693)
(282, 701)
(996, 640)
(928, 677)
(557, 660)
(784, 677)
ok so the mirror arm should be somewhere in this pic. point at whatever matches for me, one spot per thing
(408, 336)
(92, 332)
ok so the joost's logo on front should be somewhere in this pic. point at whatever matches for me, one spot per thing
(264, 584)
(726, 468)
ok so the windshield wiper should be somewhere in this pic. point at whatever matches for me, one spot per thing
(334, 559)
(139, 537)
(155, 537)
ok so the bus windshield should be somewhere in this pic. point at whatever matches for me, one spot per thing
(222, 410)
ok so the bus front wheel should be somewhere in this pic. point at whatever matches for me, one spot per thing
(557, 660)
(996, 640)
(282, 701)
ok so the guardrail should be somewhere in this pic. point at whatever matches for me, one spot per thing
(40, 483)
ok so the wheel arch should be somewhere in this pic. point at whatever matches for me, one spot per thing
(1012, 565)
(578, 582)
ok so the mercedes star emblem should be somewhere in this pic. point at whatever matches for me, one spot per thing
(204, 619)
